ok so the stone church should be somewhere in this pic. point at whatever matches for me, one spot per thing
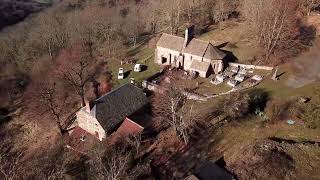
(189, 54)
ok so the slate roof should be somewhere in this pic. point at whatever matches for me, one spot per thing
(171, 42)
(115, 106)
(200, 66)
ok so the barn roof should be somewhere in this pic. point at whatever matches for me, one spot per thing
(171, 42)
(115, 106)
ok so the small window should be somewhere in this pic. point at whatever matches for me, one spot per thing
(83, 138)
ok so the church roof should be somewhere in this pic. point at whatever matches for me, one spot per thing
(171, 42)
(199, 66)
(195, 47)
(214, 53)
(115, 106)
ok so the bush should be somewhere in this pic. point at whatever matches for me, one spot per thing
(311, 116)
(278, 109)
(258, 100)
(236, 105)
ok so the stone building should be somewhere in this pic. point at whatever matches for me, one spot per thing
(189, 54)
(109, 113)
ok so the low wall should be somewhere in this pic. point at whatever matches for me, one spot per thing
(153, 87)
(246, 66)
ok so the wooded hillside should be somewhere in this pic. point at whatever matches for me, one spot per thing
(72, 51)
(14, 11)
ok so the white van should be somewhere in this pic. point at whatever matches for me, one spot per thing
(138, 68)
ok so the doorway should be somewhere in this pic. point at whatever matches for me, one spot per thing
(164, 60)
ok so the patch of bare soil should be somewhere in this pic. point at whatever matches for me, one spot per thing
(264, 160)
(314, 20)
(306, 68)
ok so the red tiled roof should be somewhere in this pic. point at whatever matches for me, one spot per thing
(127, 128)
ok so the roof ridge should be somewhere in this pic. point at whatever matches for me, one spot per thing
(205, 51)
(114, 90)
(202, 40)
(172, 35)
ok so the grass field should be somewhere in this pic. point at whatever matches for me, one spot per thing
(235, 38)
(145, 56)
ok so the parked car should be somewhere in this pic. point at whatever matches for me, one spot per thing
(121, 73)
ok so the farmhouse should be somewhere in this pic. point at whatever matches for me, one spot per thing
(109, 113)
(189, 54)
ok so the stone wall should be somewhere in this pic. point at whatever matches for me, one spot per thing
(246, 66)
(90, 124)
(166, 53)
(188, 58)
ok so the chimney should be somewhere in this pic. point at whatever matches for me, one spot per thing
(89, 105)
(188, 35)
(91, 95)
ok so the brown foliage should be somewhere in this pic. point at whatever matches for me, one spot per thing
(260, 160)
(277, 30)
(236, 105)
(77, 67)
(279, 109)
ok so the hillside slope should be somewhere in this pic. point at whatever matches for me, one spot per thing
(14, 11)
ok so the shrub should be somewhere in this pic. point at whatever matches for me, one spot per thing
(236, 105)
(258, 100)
(277, 109)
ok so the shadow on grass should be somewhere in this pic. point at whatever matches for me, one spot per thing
(126, 74)
(142, 40)
(230, 57)
(144, 68)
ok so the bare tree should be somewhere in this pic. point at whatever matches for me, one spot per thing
(9, 169)
(153, 17)
(111, 166)
(273, 29)
(173, 14)
(78, 70)
(310, 5)
(51, 35)
(135, 141)
(172, 106)
(52, 101)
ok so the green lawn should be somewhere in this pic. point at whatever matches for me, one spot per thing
(145, 56)
(279, 89)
